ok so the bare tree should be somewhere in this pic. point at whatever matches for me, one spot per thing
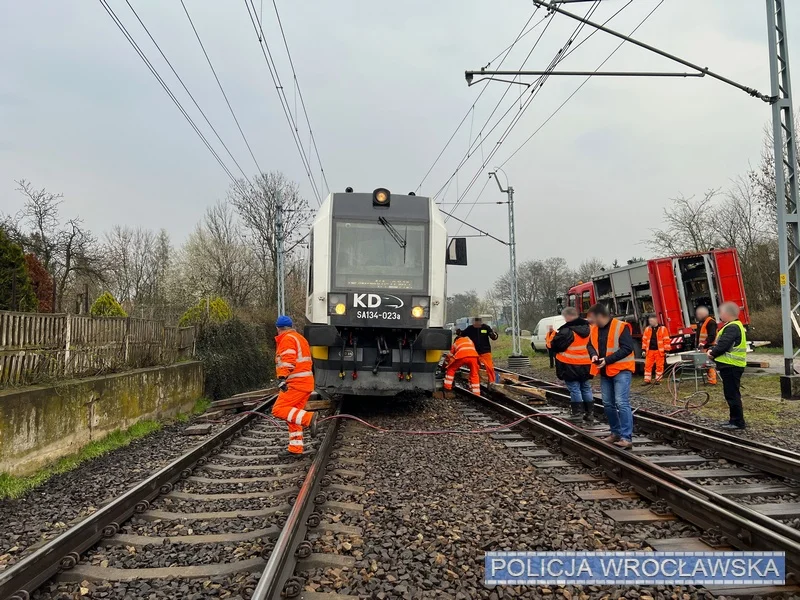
(257, 207)
(216, 260)
(587, 268)
(688, 226)
(65, 250)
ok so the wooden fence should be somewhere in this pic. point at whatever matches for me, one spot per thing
(39, 347)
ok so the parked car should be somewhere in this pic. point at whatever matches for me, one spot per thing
(537, 339)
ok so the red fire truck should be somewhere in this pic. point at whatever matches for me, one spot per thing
(671, 287)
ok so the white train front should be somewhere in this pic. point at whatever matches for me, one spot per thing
(377, 293)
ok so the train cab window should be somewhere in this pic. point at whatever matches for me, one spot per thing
(572, 301)
(373, 256)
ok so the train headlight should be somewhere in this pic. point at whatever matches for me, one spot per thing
(336, 304)
(381, 197)
(420, 307)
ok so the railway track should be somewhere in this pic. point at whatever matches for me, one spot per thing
(737, 492)
(232, 505)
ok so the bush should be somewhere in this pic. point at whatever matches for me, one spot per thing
(42, 283)
(107, 306)
(16, 291)
(208, 310)
(767, 325)
(235, 358)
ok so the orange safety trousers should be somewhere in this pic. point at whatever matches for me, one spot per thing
(290, 407)
(712, 376)
(654, 358)
(486, 362)
(474, 376)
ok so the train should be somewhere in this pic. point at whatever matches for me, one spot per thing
(376, 293)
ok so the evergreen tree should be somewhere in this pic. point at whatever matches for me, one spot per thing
(16, 291)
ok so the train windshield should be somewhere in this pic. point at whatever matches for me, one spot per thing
(374, 256)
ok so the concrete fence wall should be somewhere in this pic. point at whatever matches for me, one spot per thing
(42, 347)
(40, 424)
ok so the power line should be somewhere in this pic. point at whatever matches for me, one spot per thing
(265, 51)
(221, 89)
(481, 136)
(518, 116)
(472, 107)
(585, 81)
(174, 72)
(166, 88)
(302, 100)
(554, 63)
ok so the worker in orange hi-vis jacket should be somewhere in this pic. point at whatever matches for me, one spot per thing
(463, 353)
(295, 382)
(548, 339)
(655, 343)
(706, 336)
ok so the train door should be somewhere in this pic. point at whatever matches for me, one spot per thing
(666, 299)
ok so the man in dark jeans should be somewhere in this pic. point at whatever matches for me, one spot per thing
(730, 354)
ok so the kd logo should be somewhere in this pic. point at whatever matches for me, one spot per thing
(372, 300)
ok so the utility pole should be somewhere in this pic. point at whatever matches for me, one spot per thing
(786, 193)
(516, 360)
(279, 268)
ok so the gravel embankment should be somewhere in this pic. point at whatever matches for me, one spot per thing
(47, 511)
(435, 504)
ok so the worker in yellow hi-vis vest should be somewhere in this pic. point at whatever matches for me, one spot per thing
(730, 353)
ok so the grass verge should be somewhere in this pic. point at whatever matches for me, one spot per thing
(201, 405)
(12, 486)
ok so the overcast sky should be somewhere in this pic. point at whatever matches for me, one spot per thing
(384, 88)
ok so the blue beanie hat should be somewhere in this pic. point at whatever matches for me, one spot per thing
(283, 321)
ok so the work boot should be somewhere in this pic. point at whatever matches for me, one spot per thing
(588, 412)
(613, 438)
(575, 412)
(312, 426)
(624, 444)
(731, 426)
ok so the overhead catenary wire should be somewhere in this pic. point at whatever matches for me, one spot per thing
(507, 51)
(537, 86)
(481, 136)
(221, 89)
(186, 89)
(572, 50)
(154, 72)
(302, 99)
(275, 76)
(583, 83)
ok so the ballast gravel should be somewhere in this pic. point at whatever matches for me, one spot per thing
(48, 510)
(434, 504)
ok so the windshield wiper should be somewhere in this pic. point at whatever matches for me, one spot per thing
(401, 241)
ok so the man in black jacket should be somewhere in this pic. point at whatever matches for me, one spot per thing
(573, 363)
(730, 354)
(480, 334)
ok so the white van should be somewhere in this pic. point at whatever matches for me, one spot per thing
(537, 339)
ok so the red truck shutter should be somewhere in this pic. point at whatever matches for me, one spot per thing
(666, 302)
(729, 279)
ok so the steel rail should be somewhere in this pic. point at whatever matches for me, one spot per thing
(770, 459)
(63, 552)
(277, 580)
(743, 527)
